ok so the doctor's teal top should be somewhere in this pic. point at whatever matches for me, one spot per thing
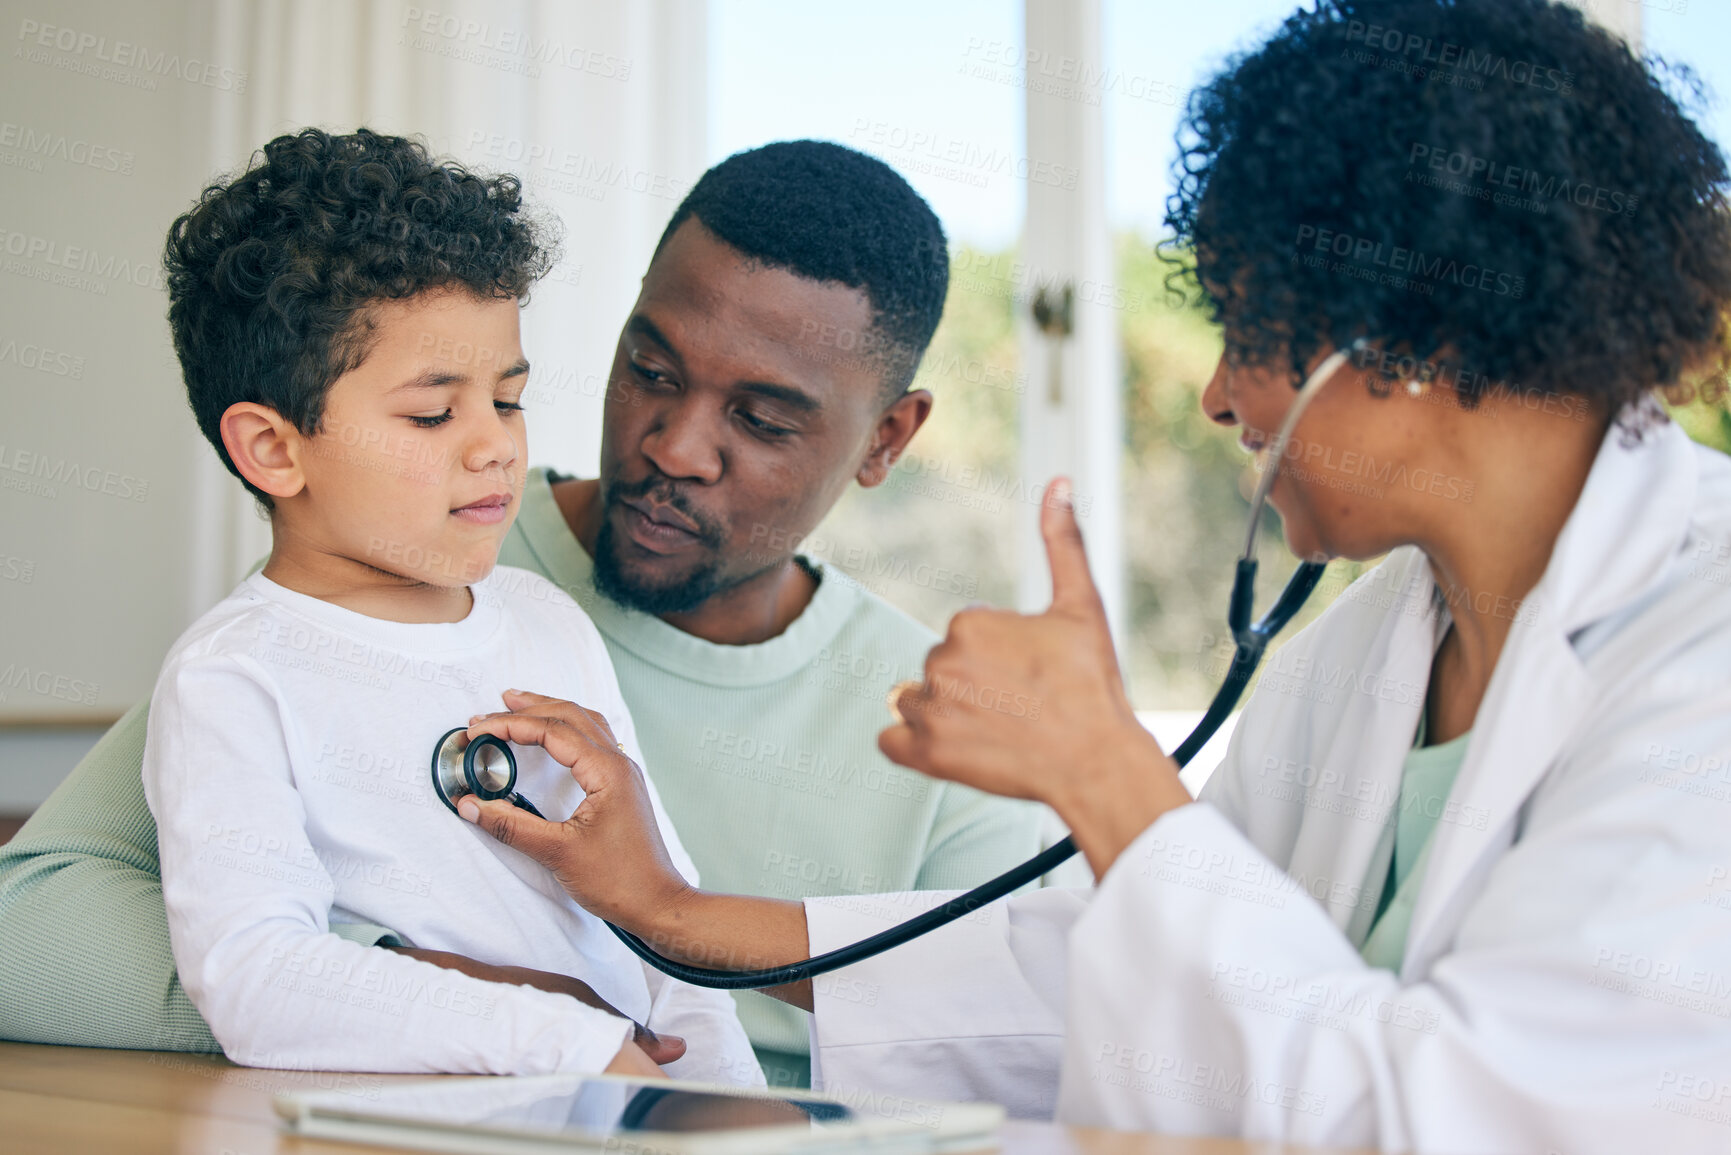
(1426, 778)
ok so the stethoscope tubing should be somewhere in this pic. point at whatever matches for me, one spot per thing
(1245, 659)
(1251, 641)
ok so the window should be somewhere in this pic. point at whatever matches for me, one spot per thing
(916, 85)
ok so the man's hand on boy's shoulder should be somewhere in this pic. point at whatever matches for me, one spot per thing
(661, 1048)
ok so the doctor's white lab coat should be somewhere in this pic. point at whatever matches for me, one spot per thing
(1567, 978)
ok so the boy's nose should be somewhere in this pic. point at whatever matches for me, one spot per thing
(496, 446)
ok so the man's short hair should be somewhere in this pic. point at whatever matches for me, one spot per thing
(830, 213)
(271, 273)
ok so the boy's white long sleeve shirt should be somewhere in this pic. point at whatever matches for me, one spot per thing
(288, 768)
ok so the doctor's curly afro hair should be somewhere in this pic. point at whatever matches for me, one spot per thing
(1498, 182)
(271, 273)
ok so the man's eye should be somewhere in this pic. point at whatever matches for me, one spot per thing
(759, 425)
(432, 422)
(647, 373)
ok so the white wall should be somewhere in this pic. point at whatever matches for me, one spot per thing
(117, 524)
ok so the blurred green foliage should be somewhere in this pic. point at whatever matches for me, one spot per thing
(1708, 422)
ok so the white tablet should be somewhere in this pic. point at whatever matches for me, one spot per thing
(536, 1114)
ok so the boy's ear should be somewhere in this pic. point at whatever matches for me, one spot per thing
(265, 447)
(895, 428)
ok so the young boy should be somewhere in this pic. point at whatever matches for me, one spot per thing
(346, 317)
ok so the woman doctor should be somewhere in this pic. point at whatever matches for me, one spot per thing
(1463, 881)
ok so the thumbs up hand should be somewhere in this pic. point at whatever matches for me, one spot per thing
(1033, 706)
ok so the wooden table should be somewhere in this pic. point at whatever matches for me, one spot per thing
(60, 1100)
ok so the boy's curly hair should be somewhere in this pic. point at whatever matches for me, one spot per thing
(1499, 181)
(271, 273)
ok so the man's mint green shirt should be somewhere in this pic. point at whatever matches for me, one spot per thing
(765, 757)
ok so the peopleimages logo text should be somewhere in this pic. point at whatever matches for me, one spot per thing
(1440, 55)
(89, 46)
(1410, 263)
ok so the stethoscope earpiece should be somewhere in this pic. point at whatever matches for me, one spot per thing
(484, 767)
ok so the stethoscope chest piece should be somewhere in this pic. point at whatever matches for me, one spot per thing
(484, 767)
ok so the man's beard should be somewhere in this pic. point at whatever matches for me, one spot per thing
(681, 596)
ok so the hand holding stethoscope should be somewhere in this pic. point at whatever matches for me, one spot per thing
(608, 855)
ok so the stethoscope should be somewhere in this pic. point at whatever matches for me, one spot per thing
(485, 767)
